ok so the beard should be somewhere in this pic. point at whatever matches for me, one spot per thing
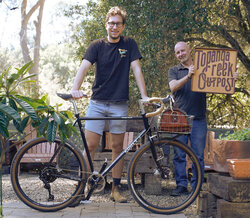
(114, 37)
(184, 60)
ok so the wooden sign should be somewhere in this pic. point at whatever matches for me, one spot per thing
(214, 70)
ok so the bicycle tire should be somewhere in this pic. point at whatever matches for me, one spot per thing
(33, 169)
(153, 191)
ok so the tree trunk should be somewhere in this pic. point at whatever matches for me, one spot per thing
(25, 17)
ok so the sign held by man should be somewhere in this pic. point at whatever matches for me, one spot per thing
(214, 70)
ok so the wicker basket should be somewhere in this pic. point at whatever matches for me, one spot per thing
(239, 168)
(174, 121)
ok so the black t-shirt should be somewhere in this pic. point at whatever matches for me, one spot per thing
(193, 103)
(112, 67)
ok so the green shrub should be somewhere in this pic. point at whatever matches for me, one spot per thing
(241, 135)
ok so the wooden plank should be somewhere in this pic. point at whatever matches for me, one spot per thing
(43, 147)
(39, 153)
(228, 188)
(47, 148)
(208, 152)
(230, 209)
(53, 147)
(145, 164)
(39, 148)
(206, 204)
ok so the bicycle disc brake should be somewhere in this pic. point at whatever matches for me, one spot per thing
(163, 168)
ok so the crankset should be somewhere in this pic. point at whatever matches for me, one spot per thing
(96, 181)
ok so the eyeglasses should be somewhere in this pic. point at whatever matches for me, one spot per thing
(118, 24)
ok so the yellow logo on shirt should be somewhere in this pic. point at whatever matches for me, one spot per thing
(122, 52)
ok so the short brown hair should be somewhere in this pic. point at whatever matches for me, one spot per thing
(117, 11)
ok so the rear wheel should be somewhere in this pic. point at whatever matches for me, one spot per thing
(48, 176)
(152, 185)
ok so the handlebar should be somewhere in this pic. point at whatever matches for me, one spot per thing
(159, 102)
(160, 106)
(67, 96)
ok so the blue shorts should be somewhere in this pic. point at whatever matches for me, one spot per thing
(106, 109)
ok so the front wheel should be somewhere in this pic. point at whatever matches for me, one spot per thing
(152, 184)
(48, 176)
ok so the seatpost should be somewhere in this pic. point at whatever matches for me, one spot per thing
(82, 134)
(74, 105)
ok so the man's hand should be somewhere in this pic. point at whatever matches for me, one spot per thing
(76, 94)
(146, 98)
(236, 74)
(190, 71)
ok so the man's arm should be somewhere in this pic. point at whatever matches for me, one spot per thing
(136, 67)
(85, 65)
(175, 85)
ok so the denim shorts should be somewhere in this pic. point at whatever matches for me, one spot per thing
(106, 109)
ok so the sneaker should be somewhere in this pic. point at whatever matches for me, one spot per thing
(116, 195)
(180, 190)
(78, 200)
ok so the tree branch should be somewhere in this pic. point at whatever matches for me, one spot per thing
(244, 29)
(32, 10)
(247, 5)
(244, 91)
(244, 59)
(206, 42)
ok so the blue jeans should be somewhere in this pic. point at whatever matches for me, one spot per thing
(198, 143)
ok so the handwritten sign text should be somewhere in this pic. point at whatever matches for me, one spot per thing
(214, 70)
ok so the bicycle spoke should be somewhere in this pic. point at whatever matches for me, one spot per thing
(152, 184)
(48, 180)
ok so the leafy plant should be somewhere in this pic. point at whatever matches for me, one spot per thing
(22, 111)
(241, 135)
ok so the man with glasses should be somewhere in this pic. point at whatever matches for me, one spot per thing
(113, 56)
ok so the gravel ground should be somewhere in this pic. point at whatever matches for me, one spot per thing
(10, 196)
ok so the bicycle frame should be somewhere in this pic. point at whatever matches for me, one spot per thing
(104, 171)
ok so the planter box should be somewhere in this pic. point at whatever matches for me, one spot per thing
(239, 168)
(228, 149)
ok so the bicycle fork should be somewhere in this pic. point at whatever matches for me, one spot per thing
(157, 158)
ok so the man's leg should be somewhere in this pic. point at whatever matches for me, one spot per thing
(180, 166)
(93, 140)
(180, 163)
(117, 129)
(117, 147)
(93, 132)
(198, 143)
(94, 128)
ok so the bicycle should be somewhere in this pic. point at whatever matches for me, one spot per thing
(150, 183)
